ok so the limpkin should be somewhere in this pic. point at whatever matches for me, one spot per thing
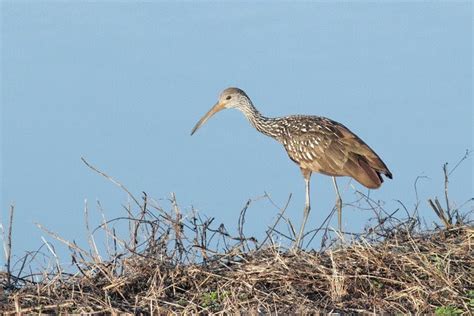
(316, 144)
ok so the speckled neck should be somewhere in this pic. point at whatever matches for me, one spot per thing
(263, 124)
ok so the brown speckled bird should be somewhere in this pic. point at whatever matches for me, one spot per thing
(316, 144)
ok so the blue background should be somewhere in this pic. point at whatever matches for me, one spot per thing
(122, 84)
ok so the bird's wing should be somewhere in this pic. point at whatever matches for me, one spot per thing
(359, 151)
(311, 144)
(329, 147)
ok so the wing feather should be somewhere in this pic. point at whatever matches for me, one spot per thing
(323, 145)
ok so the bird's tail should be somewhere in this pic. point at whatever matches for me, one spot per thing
(368, 172)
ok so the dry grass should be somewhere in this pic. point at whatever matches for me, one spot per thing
(175, 263)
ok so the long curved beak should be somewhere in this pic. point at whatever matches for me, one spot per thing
(216, 108)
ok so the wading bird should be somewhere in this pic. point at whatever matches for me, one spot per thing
(316, 144)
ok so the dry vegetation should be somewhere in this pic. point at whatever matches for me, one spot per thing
(171, 262)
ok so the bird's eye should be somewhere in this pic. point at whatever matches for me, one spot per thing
(229, 97)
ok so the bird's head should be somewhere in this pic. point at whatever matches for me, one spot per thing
(230, 98)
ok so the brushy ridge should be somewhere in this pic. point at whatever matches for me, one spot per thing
(174, 263)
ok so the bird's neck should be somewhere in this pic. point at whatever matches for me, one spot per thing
(263, 124)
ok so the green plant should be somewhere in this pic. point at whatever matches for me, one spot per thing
(213, 299)
(377, 283)
(448, 310)
(470, 295)
(210, 299)
(438, 262)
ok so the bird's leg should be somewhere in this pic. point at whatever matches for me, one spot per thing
(307, 207)
(338, 205)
